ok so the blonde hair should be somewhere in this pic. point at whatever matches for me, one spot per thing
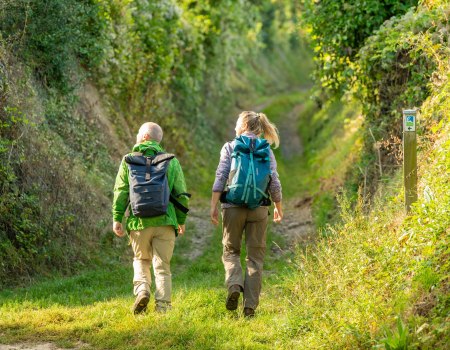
(259, 124)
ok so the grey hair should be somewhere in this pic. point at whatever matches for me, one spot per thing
(153, 130)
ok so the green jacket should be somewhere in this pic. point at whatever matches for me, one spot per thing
(177, 185)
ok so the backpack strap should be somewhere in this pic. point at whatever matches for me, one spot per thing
(148, 163)
(177, 204)
(162, 157)
(184, 194)
(135, 158)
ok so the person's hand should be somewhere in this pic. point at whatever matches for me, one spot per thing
(181, 229)
(214, 215)
(118, 230)
(277, 213)
(277, 216)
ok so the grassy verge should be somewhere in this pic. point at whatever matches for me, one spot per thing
(381, 278)
(331, 138)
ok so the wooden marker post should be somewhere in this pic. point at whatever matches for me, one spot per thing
(409, 157)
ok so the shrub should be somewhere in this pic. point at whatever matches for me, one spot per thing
(397, 69)
(339, 29)
(51, 35)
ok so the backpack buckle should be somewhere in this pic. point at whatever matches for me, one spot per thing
(252, 145)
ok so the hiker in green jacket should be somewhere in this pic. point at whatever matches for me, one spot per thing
(152, 238)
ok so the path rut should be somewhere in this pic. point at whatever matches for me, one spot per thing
(297, 226)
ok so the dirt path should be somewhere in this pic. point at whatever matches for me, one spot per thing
(199, 229)
(291, 144)
(263, 105)
(297, 226)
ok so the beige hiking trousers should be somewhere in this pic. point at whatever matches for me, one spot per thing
(236, 221)
(153, 244)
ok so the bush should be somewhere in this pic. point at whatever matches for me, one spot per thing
(339, 29)
(51, 35)
(20, 233)
(397, 69)
(51, 211)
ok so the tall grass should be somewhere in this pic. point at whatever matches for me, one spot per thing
(380, 278)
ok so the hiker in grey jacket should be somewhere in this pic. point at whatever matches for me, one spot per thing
(238, 218)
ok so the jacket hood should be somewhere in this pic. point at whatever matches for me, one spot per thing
(249, 134)
(148, 148)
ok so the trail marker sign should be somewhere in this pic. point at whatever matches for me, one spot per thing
(409, 120)
(409, 157)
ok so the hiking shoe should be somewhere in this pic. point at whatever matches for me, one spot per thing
(140, 304)
(233, 297)
(163, 306)
(249, 312)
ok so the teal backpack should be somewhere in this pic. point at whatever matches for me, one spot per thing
(249, 174)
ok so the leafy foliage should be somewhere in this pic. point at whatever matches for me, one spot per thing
(397, 69)
(20, 234)
(386, 274)
(43, 194)
(51, 35)
(388, 61)
(339, 29)
(397, 64)
(172, 62)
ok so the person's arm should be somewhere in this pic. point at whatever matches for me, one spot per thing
(222, 172)
(275, 190)
(214, 212)
(223, 168)
(178, 190)
(121, 199)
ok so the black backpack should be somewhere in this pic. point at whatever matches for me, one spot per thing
(149, 188)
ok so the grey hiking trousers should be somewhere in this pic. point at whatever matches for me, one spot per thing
(237, 221)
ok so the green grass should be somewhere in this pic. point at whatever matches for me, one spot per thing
(380, 279)
(95, 307)
(332, 140)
